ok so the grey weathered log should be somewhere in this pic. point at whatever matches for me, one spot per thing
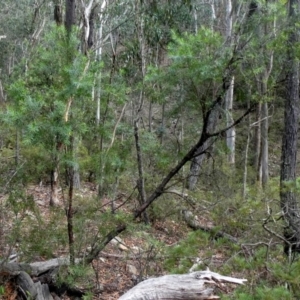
(31, 290)
(23, 273)
(36, 268)
(13, 268)
(26, 285)
(43, 292)
(197, 285)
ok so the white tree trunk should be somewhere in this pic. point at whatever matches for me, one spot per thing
(54, 200)
(230, 133)
(264, 155)
(97, 92)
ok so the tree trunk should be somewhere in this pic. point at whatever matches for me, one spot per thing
(70, 14)
(264, 155)
(88, 26)
(230, 134)
(70, 215)
(141, 179)
(54, 187)
(288, 199)
(263, 170)
(257, 138)
(58, 12)
(197, 161)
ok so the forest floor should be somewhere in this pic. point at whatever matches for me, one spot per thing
(125, 261)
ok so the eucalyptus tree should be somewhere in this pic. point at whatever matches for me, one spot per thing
(186, 67)
(288, 197)
(262, 21)
(265, 89)
(230, 134)
(197, 162)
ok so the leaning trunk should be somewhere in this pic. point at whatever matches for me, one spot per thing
(197, 161)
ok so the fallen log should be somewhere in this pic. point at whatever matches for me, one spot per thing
(36, 268)
(32, 290)
(197, 285)
(35, 280)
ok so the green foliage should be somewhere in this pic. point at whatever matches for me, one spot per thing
(88, 296)
(288, 274)
(55, 75)
(76, 275)
(40, 100)
(167, 208)
(197, 61)
(181, 256)
(29, 227)
(2, 290)
(262, 293)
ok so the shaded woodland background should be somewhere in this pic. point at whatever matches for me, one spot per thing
(151, 120)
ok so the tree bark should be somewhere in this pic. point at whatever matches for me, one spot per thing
(88, 26)
(70, 14)
(58, 12)
(288, 199)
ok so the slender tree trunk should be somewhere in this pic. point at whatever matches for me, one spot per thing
(162, 129)
(70, 215)
(97, 95)
(150, 117)
(230, 134)
(54, 200)
(257, 138)
(17, 153)
(263, 170)
(288, 198)
(195, 15)
(70, 20)
(140, 32)
(141, 180)
(245, 175)
(264, 156)
(54, 187)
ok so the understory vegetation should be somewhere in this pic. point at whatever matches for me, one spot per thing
(152, 136)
